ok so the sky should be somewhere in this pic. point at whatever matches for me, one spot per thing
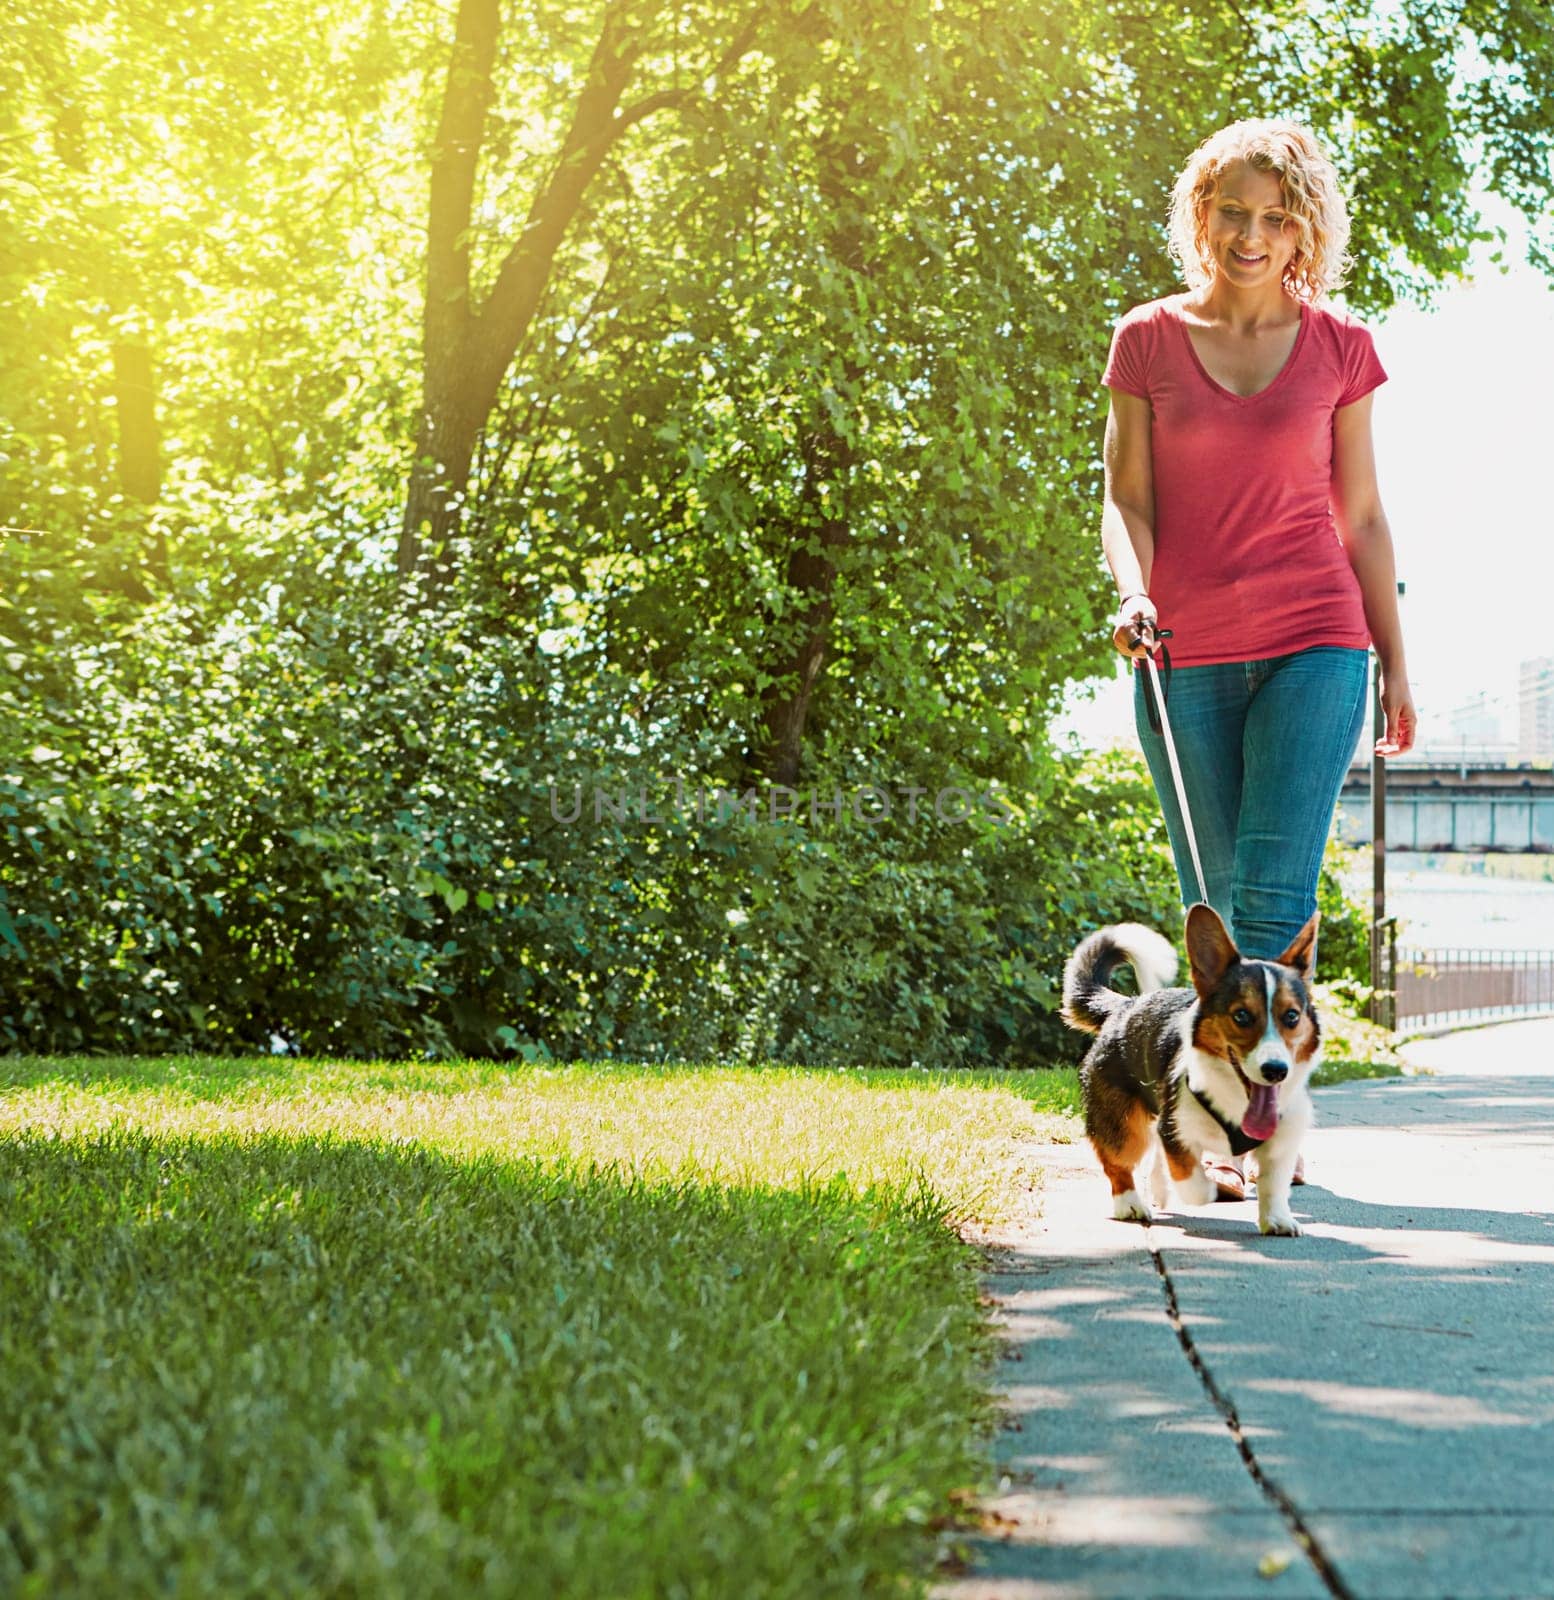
(1464, 431)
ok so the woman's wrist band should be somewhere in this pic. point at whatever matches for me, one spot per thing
(1138, 594)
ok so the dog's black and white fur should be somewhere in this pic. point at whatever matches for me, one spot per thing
(1221, 1067)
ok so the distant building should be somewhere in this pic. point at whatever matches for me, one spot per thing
(1472, 733)
(1475, 721)
(1535, 739)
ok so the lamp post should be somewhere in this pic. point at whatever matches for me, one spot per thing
(1383, 1000)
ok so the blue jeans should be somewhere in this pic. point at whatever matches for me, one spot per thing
(1264, 746)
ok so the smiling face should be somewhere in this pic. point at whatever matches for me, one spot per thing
(1258, 1017)
(1248, 228)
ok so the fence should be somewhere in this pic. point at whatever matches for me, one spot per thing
(1437, 987)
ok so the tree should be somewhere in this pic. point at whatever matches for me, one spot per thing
(835, 413)
(197, 205)
(778, 456)
(470, 339)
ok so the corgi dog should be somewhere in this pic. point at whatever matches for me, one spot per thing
(1222, 1066)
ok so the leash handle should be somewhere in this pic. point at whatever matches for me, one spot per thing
(1156, 709)
(1155, 698)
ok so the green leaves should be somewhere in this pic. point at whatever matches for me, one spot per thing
(798, 460)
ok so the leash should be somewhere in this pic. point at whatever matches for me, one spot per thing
(1155, 700)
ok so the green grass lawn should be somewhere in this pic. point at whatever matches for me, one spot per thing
(283, 1328)
(317, 1328)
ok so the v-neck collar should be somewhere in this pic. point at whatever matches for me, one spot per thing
(1214, 383)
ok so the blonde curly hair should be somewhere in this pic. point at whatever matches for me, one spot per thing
(1311, 195)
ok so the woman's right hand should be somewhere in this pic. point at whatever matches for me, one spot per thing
(1134, 632)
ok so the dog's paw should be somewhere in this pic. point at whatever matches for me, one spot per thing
(1131, 1206)
(1280, 1223)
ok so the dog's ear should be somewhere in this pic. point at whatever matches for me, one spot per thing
(1209, 948)
(1302, 953)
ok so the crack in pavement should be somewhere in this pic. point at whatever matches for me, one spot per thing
(1332, 1580)
(1329, 1427)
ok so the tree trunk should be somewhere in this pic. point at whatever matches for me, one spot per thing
(828, 458)
(140, 469)
(446, 430)
(446, 438)
(467, 349)
(140, 445)
(810, 575)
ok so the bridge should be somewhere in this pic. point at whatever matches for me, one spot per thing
(1441, 803)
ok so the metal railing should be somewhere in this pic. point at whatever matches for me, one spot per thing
(1437, 987)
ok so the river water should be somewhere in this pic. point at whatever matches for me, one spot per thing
(1439, 908)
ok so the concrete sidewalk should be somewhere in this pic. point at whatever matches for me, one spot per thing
(1365, 1411)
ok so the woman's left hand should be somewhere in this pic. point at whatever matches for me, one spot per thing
(1398, 704)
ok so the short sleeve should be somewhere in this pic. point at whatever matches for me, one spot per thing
(1126, 368)
(1363, 370)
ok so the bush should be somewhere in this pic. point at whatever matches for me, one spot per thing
(1344, 944)
(336, 830)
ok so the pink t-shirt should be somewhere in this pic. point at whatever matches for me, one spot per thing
(1248, 562)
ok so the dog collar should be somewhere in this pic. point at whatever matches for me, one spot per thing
(1240, 1143)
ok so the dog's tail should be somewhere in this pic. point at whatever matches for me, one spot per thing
(1088, 999)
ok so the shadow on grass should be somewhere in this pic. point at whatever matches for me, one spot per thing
(284, 1365)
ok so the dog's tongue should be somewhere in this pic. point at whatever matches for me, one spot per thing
(1262, 1112)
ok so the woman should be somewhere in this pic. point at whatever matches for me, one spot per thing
(1242, 513)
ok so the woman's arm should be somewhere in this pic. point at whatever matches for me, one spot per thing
(1128, 514)
(1367, 541)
